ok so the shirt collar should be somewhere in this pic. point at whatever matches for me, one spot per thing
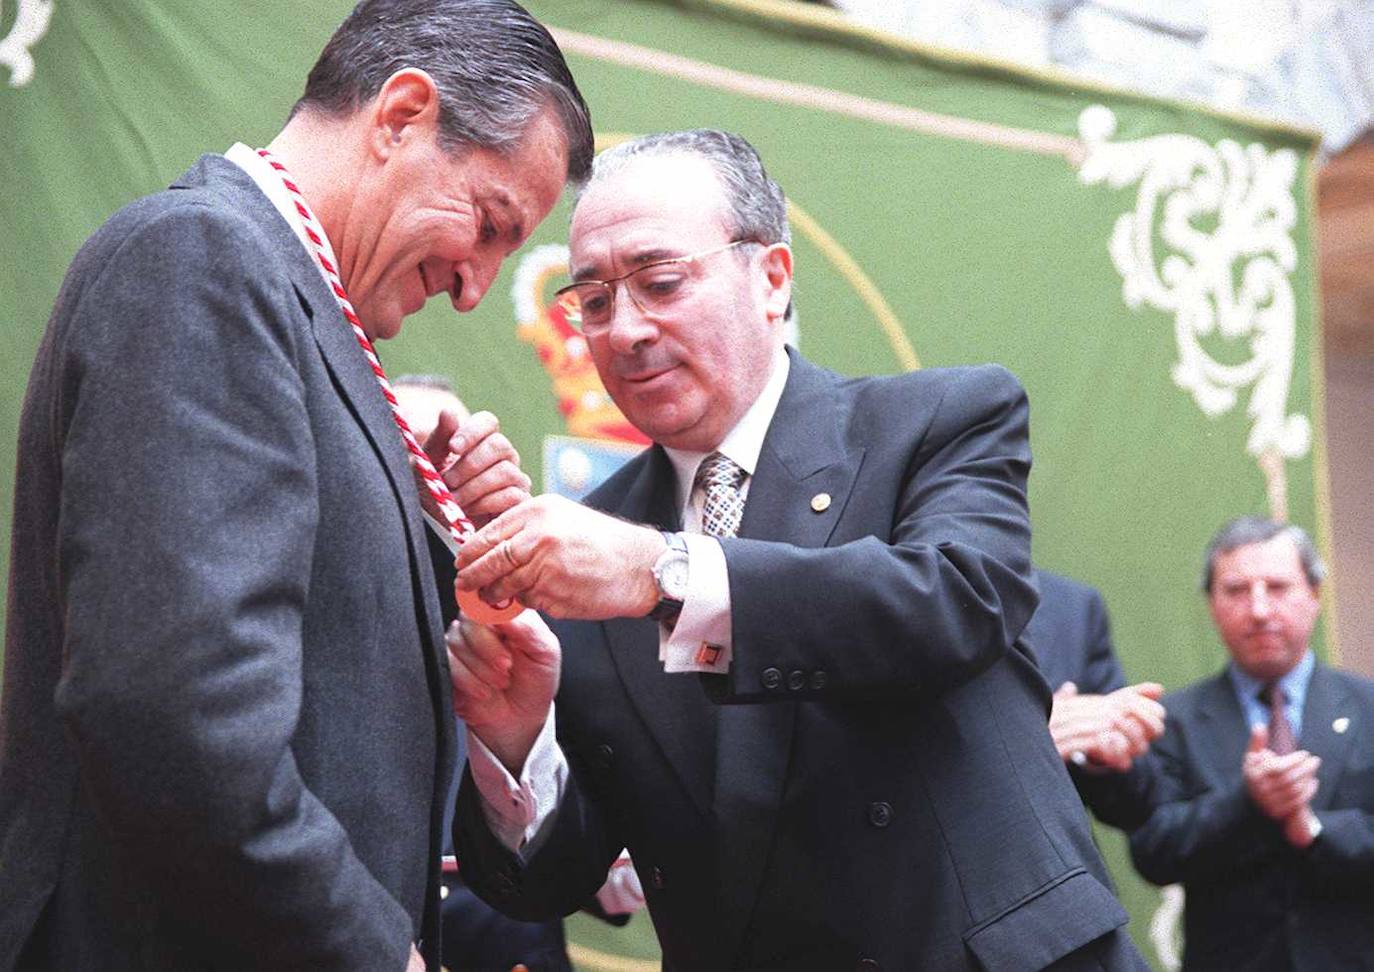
(266, 179)
(1294, 683)
(744, 442)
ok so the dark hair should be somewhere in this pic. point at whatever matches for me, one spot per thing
(756, 203)
(1245, 530)
(496, 68)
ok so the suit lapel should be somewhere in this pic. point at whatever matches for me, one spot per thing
(1226, 731)
(1323, 711)
(672, 706)
(354, 382)
(804, 456)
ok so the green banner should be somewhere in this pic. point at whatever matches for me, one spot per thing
(1145, 267)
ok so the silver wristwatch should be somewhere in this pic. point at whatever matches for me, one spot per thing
(670, 577)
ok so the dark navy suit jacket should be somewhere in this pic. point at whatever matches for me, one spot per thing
(873, 781)
(1253, 901)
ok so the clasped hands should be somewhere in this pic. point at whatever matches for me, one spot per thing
(1282, 786)
(1106, 732)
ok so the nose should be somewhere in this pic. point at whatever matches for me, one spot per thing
(629, 327)
(473, 278)
(1260, 604)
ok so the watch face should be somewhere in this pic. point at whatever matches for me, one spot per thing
(673, 579)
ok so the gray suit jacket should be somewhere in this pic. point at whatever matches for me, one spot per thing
(1253, 901)
(226, 732)
(873, 784)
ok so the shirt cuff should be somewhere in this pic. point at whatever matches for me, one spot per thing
(517, 810)
(622, 893)
(701, 639)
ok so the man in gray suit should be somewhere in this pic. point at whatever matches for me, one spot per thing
(803, 708)
(226, 732)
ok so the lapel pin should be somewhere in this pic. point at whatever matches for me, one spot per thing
(1341, 724)
(820, 502)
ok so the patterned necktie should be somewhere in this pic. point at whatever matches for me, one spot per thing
(1281, 739)
(720, 479)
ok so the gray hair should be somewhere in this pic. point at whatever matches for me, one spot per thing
(757, 207)
(495, 66)
(1245, 530)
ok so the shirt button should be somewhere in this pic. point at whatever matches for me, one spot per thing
(772, 678)
(880, 813)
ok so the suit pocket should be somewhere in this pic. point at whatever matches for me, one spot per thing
(1047, 924)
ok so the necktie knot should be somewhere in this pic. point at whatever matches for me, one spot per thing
(720, 478)
(1281, 738)
(718, 470)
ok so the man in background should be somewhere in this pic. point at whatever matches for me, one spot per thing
(227, 734)
(1101, 726)
(1265, 778)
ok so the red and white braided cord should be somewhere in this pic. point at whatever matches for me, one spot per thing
(458, 524)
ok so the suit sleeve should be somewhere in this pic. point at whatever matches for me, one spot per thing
(1195, 832)
(575, 852)
(188, 522)
(1343, 855)
(929, 605)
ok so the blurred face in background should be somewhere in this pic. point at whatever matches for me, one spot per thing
(1264, 606)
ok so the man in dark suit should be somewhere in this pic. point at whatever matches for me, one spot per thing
(841, 760)
(1100, 725)
(1266, 775)
(226, 723)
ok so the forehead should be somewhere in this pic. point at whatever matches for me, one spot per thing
(1275, 558)
(672, 202)
(525, 183)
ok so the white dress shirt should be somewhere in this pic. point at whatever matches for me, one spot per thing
(517, 810)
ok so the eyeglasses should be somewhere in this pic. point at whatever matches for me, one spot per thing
(589, 304)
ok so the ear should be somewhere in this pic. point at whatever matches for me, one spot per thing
(777, 274)
(406, 108)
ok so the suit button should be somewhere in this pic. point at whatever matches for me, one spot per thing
(656, 878)
(818, 679)
(796, 680)
(867, 965)
(879, 815)
(603, 757)
(772, 678)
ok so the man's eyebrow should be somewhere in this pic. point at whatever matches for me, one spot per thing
(639, 259)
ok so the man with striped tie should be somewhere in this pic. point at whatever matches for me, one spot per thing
(795, 692)
(1264, 799)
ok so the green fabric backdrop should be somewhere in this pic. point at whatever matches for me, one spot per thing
(1104, 246)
